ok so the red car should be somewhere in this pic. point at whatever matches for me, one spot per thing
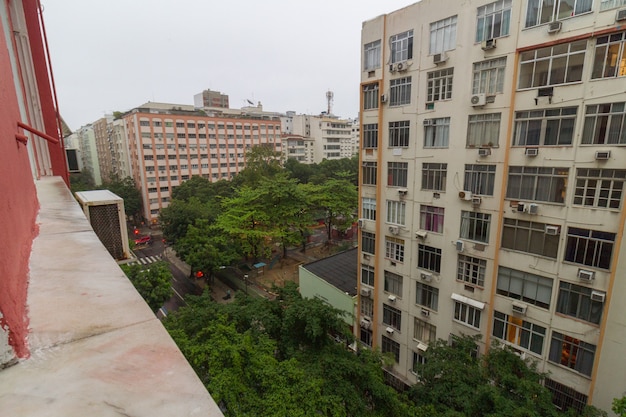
(146, 240)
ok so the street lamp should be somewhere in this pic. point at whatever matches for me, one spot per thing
(245, 279)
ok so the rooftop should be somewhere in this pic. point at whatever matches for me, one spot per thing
(340, 270)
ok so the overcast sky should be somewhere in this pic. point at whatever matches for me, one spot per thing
(118, 54)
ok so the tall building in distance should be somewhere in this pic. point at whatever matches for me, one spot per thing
(170, 143)
(209, 98)
(491, 186)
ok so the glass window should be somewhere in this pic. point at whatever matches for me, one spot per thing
(599, 188)
(399, 134)
(550, 127)
(371, 55)
(537, 184)
(437, 133)
(393, 283)
(564, 397)
(488, 76)
(369, 173)
(400, 91)
(471, 270)
(483, 130)
(605, 124)
(479, 179)
(429, 258)
(530, 288)
(390, 346)
(493, 20)
(467, 314)
(529, 237)
(394, 249)
(370, 96)
(518, 332)
(589, 247)
(475, 226)
(370, 135)
(572, 353)
(396, 212)
(552, 65)
(366, 337)
(392, 317)
(544, 11)
(427, 296)
(575, 301)
(401, 46)
(610, 58)
(440, 85)
(611, 4)
(443, 35)
(423, 331)
(369, 208)
(434, 176)
(431, 218)
(367, 275)
(368, 242)
(397, 174)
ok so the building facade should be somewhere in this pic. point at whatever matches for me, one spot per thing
(170, 143)
(491, 186)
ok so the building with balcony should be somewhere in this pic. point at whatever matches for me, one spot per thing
(75, 336)
(492, 186)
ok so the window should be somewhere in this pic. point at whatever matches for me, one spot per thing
(575, 301)
(396, 211)
(399, 134)
(367, 275)
(369, 173)
(518, 332)
(427, 296)
(429, 258)
(437, 133)
(434, 176)
(371, 55)
(397, 174)
(605, 124)
(367, 307)
(424, 332)
(552, 65)
(368, 242)
(610, 57)
(440, 84)
(443, 35)
(389, 346)
(483, 130)
(475, 226)
(571, 352)
(550, 127)
(480, 179)
(401, 46)
(545, 11)
(537, 184)
(418, 360)
(400, 91)
(467, 314)
(589, 247)
(493, 20)
(529, 237)
(369, 208)
(394, 249)
(370, 96)
(366, 337)
(471, 270)
(564, 397)
(370, 135)
(489, 76)
(392, 317)
(530, 288)
(431, 218)
(393, 283)
(610, 4)
(600, 188)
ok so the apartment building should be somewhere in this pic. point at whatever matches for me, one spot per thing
(169, 143)
(112, 148)
(89, 152)
(491, 187)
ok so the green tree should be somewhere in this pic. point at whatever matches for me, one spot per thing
(81, 181)
(203, 189)
(126, 189)
(176, 218)
(337, 199)
(619, 406)
(262, 161)
(153, 283)
(301, 172)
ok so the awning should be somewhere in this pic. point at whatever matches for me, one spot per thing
(468, 301)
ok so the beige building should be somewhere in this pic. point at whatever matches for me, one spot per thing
(112, 148)
(170, 143)
(492, 186)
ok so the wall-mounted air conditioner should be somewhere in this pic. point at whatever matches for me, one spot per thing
(552, 230)
(421, 234)
(361, 223)
(620, 15)
(394, 230)
(598, 296)
(422, 346)
(465, 195)
(459, 245)
(478, 100)
(402, 192)
(389, 330)
(392, 298)
(488, 44)
(585, 275)
(484, 152)
(476, 201)
(425, 312)
(366, 324)
(531, 151)
(429, 122)
(366, 292)
(555, 27)
(440, 58)
(402, 66)
(426, 276)
(533, 208)
(603, 155)
(519, 308)
(383, 98)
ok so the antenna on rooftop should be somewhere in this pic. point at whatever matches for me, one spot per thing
(329, 99)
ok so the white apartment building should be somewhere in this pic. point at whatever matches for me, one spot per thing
(89, 152)
(311, 139)
(492, 185)
(169, 143)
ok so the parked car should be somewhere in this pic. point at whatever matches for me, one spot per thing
(145, 240)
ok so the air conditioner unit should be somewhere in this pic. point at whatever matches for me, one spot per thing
(392, 67)
(421, 234)
(426, 276)
(392, 298)
(383, 98)
(440, 58)
(429, 122)
(402, 192)
(478, 100)
(402, 66)
(521, 207)
(585, 275)
(519, 308)
(394, 230)
(366, 292)
(460, 245)
(389, 330)
(484, 152)
(476, 201)
(425, 312)
(533, 208)
(465, 195)
(531, 151)
(620, 15)
(366, 324)
(361, 223)
(603, 155)
(552, 230)
(422, 346)
(554, 27)
(488, 44)
(598, 296)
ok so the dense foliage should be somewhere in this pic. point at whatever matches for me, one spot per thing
(153, 283)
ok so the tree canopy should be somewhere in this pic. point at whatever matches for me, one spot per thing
(153, 283)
